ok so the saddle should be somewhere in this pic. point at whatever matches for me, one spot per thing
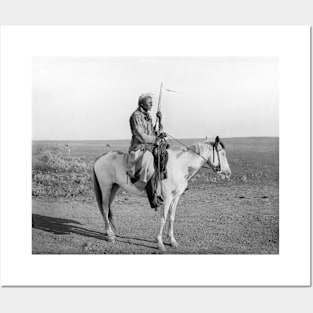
(160, 158)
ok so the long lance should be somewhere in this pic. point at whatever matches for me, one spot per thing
(158, 122)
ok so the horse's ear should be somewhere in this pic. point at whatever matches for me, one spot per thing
(217, 139)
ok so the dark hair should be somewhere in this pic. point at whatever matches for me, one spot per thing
(142, 99)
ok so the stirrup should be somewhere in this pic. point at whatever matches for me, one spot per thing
(159, 201)
(155, 201)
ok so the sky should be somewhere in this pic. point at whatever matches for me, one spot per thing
(93, 98)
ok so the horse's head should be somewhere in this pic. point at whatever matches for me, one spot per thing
(217, 158)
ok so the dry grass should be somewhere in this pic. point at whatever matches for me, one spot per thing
(57, 174)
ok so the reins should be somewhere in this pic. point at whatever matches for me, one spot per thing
(205, 160)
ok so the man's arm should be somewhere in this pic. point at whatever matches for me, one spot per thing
(158, 121)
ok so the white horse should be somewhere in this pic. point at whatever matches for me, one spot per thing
(110, 174)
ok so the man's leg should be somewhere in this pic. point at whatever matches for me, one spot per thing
(146, 167)
(147, 175)
(143, 169)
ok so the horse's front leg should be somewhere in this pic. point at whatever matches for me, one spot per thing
(172, 212)
(164, 212)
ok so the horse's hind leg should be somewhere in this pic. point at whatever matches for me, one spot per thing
(105, 211)
(114, 189)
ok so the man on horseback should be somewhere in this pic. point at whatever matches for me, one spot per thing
(144, 138)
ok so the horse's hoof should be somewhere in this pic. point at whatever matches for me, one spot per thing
(110, 238)
(161, 247)
(174, 244)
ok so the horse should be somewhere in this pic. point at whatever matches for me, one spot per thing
(109, 173)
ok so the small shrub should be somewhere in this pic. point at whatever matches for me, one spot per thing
(56, 175)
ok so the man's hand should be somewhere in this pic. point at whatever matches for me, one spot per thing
(159, 115)
(162, 135)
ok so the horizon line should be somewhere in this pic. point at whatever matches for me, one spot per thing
(168, 139)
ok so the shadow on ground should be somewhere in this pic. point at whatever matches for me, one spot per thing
(61, 226)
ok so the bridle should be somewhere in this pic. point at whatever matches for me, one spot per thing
(218, 167)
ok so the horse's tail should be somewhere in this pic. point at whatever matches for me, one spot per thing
(111, 219)
(97, 188)
(98, 193)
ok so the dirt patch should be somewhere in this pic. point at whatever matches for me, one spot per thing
(207, 222)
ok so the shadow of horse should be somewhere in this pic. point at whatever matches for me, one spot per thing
(62, 226)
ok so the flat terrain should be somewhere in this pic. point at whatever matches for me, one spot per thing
(213, 216)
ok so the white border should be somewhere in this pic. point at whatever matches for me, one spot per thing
(19, 44)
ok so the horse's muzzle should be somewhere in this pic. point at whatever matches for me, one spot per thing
(227, 175)
(224, 175)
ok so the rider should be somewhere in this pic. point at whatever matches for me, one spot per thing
(144, 137)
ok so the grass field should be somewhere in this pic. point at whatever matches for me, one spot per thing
(214, 216)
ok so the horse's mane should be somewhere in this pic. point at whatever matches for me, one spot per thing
(195, 147)
(180, 151)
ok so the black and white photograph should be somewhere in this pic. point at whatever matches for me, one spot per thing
(150, 155)
(156, 156)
